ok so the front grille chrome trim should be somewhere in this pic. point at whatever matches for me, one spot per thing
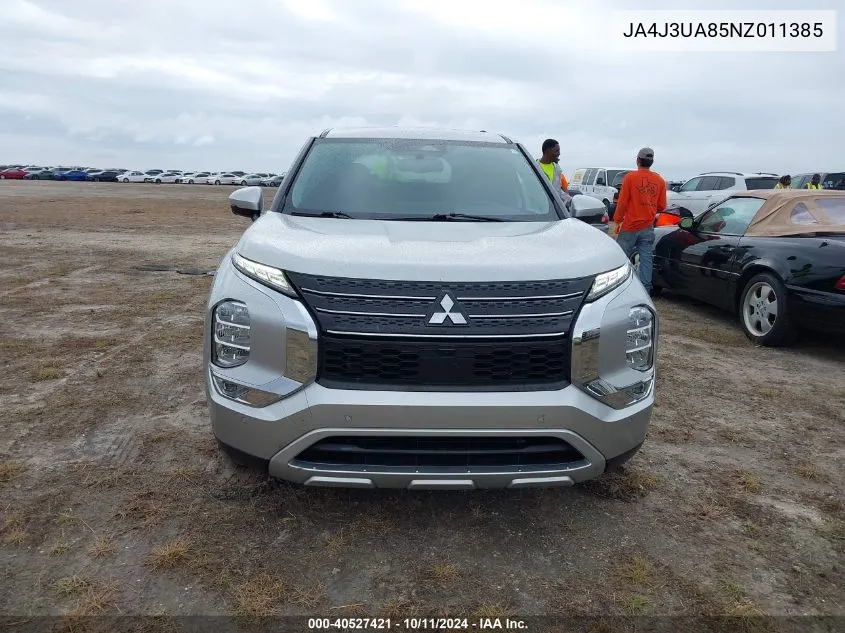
(455, 336)
(374, 314)
(349, 295)
(571, 295)
(521, 316)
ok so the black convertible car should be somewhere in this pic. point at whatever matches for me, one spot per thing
(776, 258)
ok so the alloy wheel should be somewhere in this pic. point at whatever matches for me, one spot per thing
(760, 308)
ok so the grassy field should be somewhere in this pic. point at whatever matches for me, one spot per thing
(114, 500)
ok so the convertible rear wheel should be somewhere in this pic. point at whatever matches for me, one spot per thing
(764, 313)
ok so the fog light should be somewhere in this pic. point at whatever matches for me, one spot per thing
(243, 394)
(231, 334)
(639, 347)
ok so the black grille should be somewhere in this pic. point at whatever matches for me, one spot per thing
(418, 452)
(403, 308)
(376, 334)
(359, 363)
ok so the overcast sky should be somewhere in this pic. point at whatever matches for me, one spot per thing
(212, 84)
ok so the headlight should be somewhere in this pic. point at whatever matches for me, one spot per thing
(231, 334)
(266, 275)
(639, 346)
(605, 282)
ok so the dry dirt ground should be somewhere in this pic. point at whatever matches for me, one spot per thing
(114, 500)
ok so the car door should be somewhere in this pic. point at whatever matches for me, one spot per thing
(684, 195)
(703, 195)
(702, 261)
(600, 184)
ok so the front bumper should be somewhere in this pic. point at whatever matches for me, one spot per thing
(601, 427)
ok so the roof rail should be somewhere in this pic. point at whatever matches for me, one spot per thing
(720, 172)
(325, 132)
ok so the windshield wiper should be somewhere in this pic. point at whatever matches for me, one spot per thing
(465, 216)
(324, 214)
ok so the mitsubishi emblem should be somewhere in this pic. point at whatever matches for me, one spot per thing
(439, 317)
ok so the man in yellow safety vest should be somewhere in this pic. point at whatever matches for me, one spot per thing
(785, 182)
(549, 164)
(815, 182)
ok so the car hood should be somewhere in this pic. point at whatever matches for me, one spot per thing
(424, 251)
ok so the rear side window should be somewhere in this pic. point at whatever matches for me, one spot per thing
(834, 209)
(709, 183)
(800, 214)
(761, 183)
(726, 182)
(589, 176)
(834, 181)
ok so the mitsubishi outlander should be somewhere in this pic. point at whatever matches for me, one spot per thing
(419, 309)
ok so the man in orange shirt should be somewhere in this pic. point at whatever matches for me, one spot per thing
(642, 197)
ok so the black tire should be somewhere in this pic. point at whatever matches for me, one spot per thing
(158, 181)
(126, 180)
(216, 182)
(243, 183)
(762, 323)
(255, 216)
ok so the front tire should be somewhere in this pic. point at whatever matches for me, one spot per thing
(764, 311)
(216, 182)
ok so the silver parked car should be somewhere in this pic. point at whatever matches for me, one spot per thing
(250, 179)
(418, 310)
(222, 178)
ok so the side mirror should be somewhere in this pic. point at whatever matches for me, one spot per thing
(600, 183)
(685, 213)
(247, 202)
(686, 223)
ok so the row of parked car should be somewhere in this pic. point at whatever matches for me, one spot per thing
(699, 192)
(158, 176)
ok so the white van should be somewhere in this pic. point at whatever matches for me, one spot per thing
(599, 182)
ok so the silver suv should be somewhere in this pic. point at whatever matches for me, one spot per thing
(705, 190)
(416, 309)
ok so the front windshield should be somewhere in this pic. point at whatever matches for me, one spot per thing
(416, 179)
